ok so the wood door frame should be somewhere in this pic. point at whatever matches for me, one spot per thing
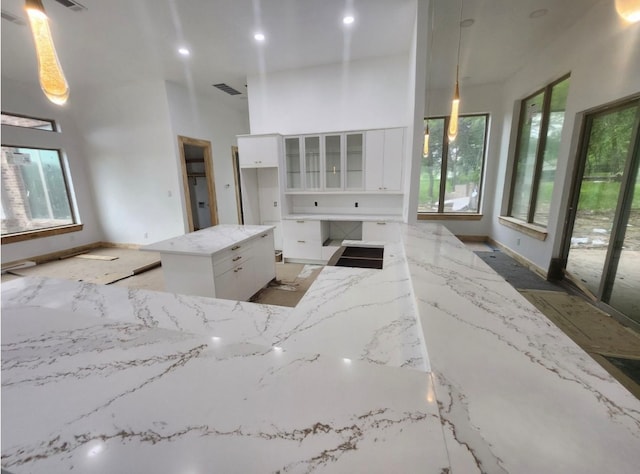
(235, 159)
(211, 185)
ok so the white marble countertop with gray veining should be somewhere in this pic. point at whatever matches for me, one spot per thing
(344, 217)
(207, 241)
(124, 379)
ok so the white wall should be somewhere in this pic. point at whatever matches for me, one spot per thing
(358, 95)
(479, 99)
(28, 99)
(601, 52)
(206, 118)
(132, 161)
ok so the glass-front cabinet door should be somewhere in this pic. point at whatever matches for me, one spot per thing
(354, 161)
(293, 162)
(333, 162)
(312, 162)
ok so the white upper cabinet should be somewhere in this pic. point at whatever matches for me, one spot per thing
(293, 163)
(312, 163)
(259, 151)
(354, 161)
(333, 162)
(384, 160)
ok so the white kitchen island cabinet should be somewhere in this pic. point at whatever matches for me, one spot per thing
(224, 261)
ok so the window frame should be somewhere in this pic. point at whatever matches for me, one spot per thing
(74, 226)
(441, 214)
(541, 145)
(54, 125)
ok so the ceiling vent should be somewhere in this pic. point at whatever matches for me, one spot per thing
(72, 5)
(228, 89)
(12, 18)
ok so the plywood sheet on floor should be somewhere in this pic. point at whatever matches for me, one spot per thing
(589, 327)
(478, 246)
(128, 262)
(292, 282)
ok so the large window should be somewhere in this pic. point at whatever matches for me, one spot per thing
(35, 194)
(451, 173)
(538, 141)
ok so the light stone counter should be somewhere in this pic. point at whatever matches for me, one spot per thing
(207, 241)
(133, 380)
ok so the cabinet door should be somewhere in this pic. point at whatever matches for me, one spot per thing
(354, 158)
(293, 162)
(381, 231)
(312, 163)
(374, 160)
(264, 259)
(333, 162)
(258, 151)
(302, 240)
(393, 159)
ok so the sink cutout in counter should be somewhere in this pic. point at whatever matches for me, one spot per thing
(359, 257)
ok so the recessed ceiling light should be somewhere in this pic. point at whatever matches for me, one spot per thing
(347, 20)
(259, 37)
(184, 51)
(538, 13)
(466, 23)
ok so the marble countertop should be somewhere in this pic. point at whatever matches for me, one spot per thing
(345, 217)
(134, 380)
(207, 241)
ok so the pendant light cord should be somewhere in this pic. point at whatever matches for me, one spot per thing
(459, 40)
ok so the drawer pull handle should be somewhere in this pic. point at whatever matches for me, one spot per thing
(237, 270)
(236, 259)
(381, 223)
(263, 236)
(300, 222)
(235, 247)
(301, 241)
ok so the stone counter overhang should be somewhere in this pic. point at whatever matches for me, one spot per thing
(341, 383)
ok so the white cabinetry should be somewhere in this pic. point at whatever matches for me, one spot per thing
(384, 160)
(259, 151)
(302, 239)
(380, 231)
(229, 262)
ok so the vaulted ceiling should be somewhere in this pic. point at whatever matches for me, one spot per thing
(121, 40)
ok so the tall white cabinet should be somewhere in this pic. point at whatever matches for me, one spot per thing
(385, 160)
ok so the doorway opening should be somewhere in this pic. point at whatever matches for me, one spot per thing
(198, 181)
(602, 236)
(235, 157)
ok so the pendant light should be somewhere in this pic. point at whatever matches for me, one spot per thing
(52, 80)
(629, 10)
(455, 103)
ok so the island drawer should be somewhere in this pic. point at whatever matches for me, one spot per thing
(227, 259)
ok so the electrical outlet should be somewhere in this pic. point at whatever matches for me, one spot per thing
(169, 193)
(275, 203)
(518, 242)
(146, 235)
(315, 203)
(356, 204)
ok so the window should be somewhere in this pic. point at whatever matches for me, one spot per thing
(28, 122)
(36, 200)
(538, 142)
(454, 184)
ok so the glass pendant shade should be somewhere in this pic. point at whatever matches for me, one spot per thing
(452, 133)
(52, 80)
(425, 149)
(629, 10)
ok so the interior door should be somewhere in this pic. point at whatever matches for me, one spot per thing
(198, 181)
(603, 247)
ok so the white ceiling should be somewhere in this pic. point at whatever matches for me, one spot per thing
(116, 40)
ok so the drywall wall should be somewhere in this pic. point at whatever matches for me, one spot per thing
(27, 99)
(604, 67)
(132, 161)
(357, 95)
(476, 99)
(210, 118)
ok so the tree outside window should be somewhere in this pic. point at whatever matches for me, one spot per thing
(454, 184)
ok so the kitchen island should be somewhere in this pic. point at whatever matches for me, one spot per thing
(223, 261)
(432, 364)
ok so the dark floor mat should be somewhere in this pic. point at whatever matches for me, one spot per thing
(630, 367)
(517, 275)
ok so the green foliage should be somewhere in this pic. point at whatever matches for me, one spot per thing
(609, 143)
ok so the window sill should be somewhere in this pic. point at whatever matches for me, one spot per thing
(532, 230)
(36, 234)
(449, 216)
